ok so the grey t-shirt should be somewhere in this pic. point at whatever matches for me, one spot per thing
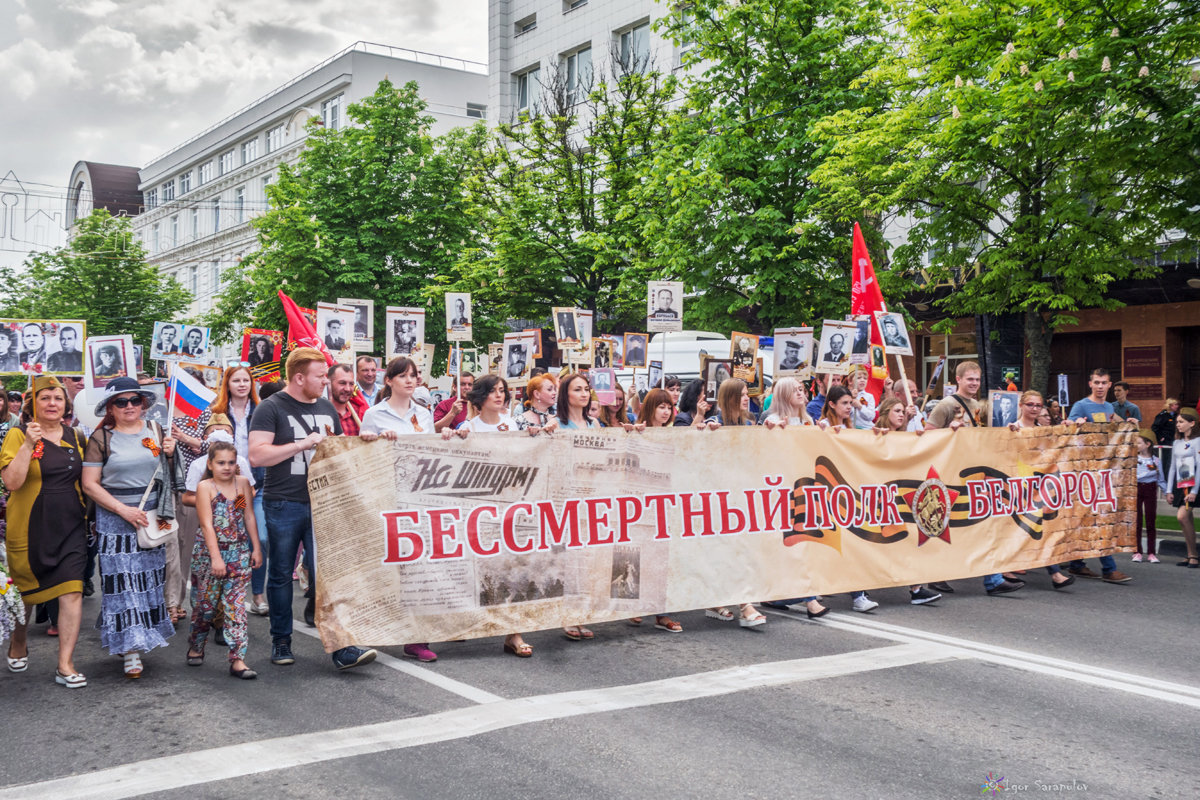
(289, 420)
(130, 466)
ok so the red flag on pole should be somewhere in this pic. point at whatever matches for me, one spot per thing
(866, 298)
(301, 331)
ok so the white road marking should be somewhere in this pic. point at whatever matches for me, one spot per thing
(464, 690)
(1145, 686)
(233, 761)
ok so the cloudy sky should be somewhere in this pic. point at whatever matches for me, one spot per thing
(121, 81)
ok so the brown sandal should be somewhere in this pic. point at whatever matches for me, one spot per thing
(521, 650)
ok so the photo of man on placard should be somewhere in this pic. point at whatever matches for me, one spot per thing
(635, 350)
(69, 357)
(166, 340)
(895, 333)
(193, 344)
(566, 326)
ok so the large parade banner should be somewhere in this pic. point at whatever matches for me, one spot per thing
(426, 540)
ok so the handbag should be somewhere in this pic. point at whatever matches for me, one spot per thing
(155, 532)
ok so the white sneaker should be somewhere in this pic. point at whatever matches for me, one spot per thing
(863, 604)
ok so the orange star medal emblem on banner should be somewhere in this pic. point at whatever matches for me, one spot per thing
(931, 503)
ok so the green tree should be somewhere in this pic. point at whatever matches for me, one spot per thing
(555, 200)
(373, 210)
(1037, 150)
(740, 219)
(100, 277)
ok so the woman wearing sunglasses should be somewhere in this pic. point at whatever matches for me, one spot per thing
(125, 456)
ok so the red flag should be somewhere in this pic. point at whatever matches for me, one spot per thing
(866, 298)
(301, 331)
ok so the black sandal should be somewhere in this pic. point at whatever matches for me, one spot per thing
(245, 674)
(195, 661)
(1192, 563)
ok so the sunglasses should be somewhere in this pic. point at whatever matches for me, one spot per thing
(124, 402)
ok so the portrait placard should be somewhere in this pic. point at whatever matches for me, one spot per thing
(495, 356)
(655, 375)
(860, 350)
(470, 360)
(793, 352)
(585, 318)
(518, 358)
(405, 331)
(895, 333)
(604, 384)
(425, 361)
(138, 354)
(537, 341)
(833, 355)
(458, 316)
(716, 371)
(108, 357)
(664, 306)
(635, 349)
(566, 328)
(262, 349)
(159, 410)
(211, 374)
(616, 347)
(743, 350)
(178, 341)
(363, 330)
(42, 346)
(1005, 407)
(754, 386)
(601, 353)
(335, 326)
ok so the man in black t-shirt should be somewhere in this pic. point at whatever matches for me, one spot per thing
(284, 433)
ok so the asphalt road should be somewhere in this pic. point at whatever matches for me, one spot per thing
(1086, 692)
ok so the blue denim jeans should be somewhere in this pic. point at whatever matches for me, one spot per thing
(992, 581)
(258, 577)
(1107, 563)
(289, 523)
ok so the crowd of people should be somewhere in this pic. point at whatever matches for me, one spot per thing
(216, 510)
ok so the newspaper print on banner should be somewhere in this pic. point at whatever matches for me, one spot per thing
(793, 352)
(404, 332)
(518, 358)
(262, 350)
(458, 317)
(363, 329)
(335, 325)
(107, 357)
(42, 346)
(424, 540)
(178, 341)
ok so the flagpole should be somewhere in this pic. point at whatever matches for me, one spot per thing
(458, 369)
(662, 373)
(173, 385)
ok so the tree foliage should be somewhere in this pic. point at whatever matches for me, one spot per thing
(1037, 150)
(741, 221)
(555, 202)
(100, 277)
(374, 210)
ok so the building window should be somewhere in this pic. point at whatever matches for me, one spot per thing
(194, 280)
(155, 241)
(477, 110)
(239, 204)
(266, 181)
(228, 162)
(216, 276)
(635, 47)
(274, 138)
(151, 199)
(185, 183)
(195, 224)
(525, 25)
(206, 173)
(528, 84)
(249, 151)
(579, 74)
(571, 5)
(216, 214)
(175, 231)
(168, 191)
(331, 113)
(688, 17)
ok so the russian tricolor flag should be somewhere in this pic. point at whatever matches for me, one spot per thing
(187, 395)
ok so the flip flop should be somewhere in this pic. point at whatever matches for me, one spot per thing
(522, 650)
(572, 633)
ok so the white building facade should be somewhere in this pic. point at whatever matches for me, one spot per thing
(528, 40)
(199, 197)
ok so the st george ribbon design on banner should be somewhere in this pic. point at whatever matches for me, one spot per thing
(425, 540)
